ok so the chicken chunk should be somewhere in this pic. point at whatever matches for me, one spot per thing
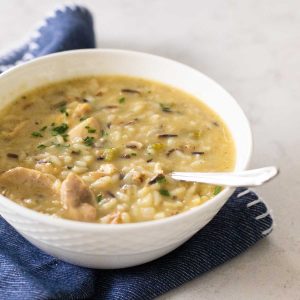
(28, 183)
(81, 110)
(89, 127)
(78, 199)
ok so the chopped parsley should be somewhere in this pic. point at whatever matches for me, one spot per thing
(41, 146)
(164, 192)
(65, 137)
(61, 145)
(104, 133)
(89, 141)
(83, 118)
(90, 130)
(161, 180)
(99, 198)
(59, 130)
(122, 100)
(36, 134)
(217, 190)
(63, 110)
(43, 128)
(165, 108)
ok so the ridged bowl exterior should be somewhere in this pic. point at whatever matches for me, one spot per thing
(107, 247)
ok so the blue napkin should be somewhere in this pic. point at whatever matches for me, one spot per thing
(28, 273)
(67, 28)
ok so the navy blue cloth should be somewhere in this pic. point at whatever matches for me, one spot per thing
(28, 273)
(67, 28)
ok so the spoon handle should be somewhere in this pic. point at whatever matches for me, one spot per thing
(235, 179)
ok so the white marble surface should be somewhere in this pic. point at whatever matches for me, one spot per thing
(252, 48)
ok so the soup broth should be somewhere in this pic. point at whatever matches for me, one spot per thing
(100, 149)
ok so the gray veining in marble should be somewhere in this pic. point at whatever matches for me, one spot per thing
(252, 48)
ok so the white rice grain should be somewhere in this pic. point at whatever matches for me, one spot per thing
(79, 170)
(81, 163)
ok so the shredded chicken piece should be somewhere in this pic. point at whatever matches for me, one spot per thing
(89, 127)
(28, 182)
(78, 199)
(81, 110)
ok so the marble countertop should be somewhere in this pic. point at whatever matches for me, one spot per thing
(250, 47)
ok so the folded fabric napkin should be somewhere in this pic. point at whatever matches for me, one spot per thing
(28, 273)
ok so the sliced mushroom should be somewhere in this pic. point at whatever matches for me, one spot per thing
(78, 200)
(28, 183)
(89, 127)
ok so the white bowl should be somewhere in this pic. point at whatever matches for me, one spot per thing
(120, 245)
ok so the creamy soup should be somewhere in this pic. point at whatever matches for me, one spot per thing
(101, 149)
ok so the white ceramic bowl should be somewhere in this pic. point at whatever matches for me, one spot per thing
(120, 245)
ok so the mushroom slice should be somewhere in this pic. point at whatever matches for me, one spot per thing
(26, 182)
(88, 127)
(78, 200)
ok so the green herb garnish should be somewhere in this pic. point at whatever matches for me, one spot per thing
(41, 146)
(89, 141)
(161, 180)
(65, 137)
(90, 130)
(165, 108)
(83, 118)
(217, 190)
(99, 198)
(63, 110)
(122, 100)
(164, 192)
(104, 133)
(59, 130)
(43, 128)
(36, 134)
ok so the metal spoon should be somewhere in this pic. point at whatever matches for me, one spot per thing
(235, 179)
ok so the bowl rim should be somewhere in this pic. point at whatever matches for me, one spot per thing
(86, 226)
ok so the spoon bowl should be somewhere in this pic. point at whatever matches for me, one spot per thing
(253, 177)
